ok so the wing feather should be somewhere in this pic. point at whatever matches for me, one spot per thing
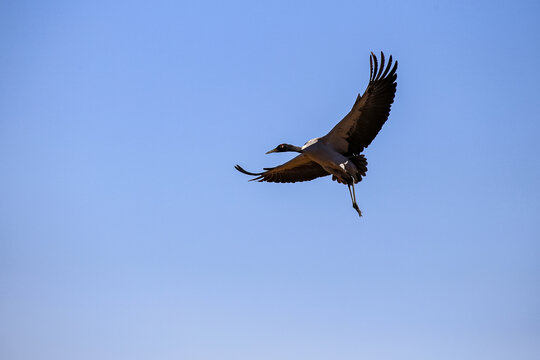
(298, 169)
(370, 111)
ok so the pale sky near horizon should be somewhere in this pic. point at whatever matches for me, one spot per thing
(126, 233)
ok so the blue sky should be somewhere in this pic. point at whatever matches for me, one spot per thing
(126, 233)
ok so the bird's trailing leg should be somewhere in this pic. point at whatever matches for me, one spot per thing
(353, 198)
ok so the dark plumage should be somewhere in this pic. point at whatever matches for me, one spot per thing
(338, 152)
(369, 112)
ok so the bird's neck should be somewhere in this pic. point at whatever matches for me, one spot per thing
(294, 148)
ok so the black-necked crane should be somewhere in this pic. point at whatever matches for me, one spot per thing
(338, 153)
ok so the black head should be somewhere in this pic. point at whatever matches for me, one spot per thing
(285, 148)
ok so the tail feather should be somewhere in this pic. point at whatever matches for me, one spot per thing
(361, 164)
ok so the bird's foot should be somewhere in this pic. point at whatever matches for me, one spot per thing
(355, 206)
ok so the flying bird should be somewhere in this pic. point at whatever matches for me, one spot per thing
(338, 153)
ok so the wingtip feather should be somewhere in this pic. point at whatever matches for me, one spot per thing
(239, 168)
(371, 66)
(381, 67)
(375, 66)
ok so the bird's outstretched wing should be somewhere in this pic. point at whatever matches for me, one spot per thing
(298, 169)
(370, 111)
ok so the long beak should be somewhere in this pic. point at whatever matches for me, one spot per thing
(271, 151)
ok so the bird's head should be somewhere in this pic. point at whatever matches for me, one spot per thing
(285, 148)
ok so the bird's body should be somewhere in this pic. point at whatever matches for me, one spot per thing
(322, 153)
(338, 152)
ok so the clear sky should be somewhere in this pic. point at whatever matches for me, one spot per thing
(126, 233)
